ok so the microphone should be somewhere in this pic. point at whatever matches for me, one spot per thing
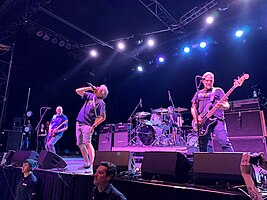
(198, 76)
(169, 95)
(92, 86)
(47, 107)
(141, 103)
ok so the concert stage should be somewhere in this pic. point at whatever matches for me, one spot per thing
(76, 184)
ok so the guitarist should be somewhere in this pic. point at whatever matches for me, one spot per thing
(202, 102)
(57, 126)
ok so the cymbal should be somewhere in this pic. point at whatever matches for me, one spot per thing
(142, 114)
(179, 109)
(162, 110)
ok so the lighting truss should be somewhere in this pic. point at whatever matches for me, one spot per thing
(160, 12)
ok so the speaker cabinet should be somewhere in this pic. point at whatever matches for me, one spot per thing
(121, 139)
(210, 168)
(50, 160)
(21, 156)
(14, 140)
(246, 123)
(167, 166)
(253, 144)
(122, 159)
(105, 141)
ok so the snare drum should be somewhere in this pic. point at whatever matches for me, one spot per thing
(148, 134)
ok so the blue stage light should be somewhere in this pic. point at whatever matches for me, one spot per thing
(239, 33)
(186, 49)
(202, 45)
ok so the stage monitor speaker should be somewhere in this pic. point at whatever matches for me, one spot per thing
(245, 123)
(122, 159)
(166, 166)
(21, 156)
(212, 168)
(14, 140)
(253, 144)
(50, 160)
(105, 141)
(121, 139)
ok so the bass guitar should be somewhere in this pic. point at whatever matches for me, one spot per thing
(207, 121)
(52, 131)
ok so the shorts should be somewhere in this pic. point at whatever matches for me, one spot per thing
(83, 133)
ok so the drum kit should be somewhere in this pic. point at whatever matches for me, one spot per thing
(156, 129)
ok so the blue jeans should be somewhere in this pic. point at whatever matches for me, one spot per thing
(222, 135)
(51, 141)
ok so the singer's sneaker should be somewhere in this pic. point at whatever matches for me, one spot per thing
(85, 166)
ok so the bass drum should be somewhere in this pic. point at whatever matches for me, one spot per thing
(148, 134)
(192, 140)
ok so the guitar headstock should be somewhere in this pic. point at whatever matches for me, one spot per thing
(240, 80)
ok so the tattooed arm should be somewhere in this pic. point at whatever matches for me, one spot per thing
(245, 168)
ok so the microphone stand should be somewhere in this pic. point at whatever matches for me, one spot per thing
(130, 119)
(37, 128)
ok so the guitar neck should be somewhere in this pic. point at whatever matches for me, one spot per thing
(223, 99)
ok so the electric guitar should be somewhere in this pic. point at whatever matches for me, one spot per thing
(52, 133)
(207, 121)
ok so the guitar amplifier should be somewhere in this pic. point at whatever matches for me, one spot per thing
(122, 127)
(244, 104)
(107, 128)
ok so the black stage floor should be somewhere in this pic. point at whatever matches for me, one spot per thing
(74, 184)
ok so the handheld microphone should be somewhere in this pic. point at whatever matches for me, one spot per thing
(141, 103)
(92, 86)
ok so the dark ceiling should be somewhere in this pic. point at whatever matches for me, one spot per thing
(53, 72)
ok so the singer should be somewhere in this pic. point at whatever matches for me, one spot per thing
(90, 116)
(202, 102)
(57, 126)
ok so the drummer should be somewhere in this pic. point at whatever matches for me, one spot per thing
(174, 121)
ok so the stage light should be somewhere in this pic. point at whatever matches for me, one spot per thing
(68, 46)
(46, 37)
(39, 33)
(151, 42)
(62, 43)
(239, 33)
(161, 59)
(186, 49)
(54, 40)
(93, 53)
(121, 45)
(202, 45)
(210, 20)
(139, 68)
(29, 113)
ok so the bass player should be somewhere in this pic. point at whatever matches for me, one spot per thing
(202, 102)
(57, 126)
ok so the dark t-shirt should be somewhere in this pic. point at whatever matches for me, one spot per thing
(57, 120)
(91, 109)
(110, 193)
(205, 100)
(26, 187)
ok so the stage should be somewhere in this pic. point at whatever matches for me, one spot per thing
(72, 183)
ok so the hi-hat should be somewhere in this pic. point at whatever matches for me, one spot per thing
(142, 114)
(179, 109)
(162, 110)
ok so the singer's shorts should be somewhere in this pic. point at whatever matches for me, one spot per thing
(83, 133)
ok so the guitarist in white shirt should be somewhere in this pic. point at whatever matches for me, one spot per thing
(58, 124)
(202, 103)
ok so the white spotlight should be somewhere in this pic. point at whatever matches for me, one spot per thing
(139, 68)
(186, 49)
(239, 33)
(151, 42)
(209, 20)
(121, 45)
(203, 45)
(93, 53)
